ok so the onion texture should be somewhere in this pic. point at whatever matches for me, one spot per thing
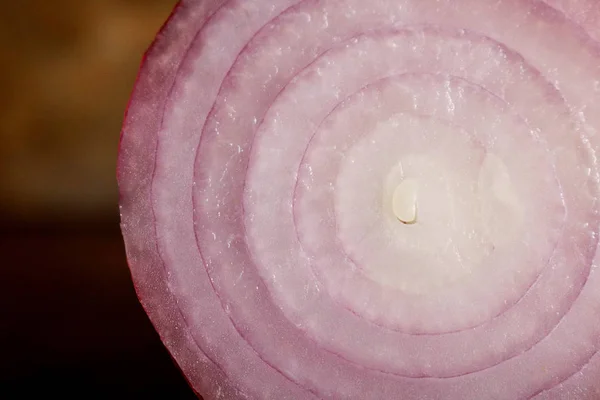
(386, 199)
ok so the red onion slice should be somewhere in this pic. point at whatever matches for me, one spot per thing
(260, 165)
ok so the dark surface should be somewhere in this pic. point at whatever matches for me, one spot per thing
(72, 324)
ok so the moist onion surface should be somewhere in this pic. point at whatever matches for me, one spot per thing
(272, 149)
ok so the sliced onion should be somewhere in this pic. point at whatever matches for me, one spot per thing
(370, 200)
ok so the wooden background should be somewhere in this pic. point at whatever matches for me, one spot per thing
(70, 322)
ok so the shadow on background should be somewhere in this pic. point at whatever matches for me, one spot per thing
(71, 324)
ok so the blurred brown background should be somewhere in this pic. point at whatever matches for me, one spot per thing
(70, 322)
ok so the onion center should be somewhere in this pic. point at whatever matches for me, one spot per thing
(404, 201)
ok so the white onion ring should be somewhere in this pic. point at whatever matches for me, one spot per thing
(256, 160)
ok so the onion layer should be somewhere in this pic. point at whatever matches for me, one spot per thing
(269, 156)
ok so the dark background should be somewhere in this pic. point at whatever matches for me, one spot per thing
(70, 323)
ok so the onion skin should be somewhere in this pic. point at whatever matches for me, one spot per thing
(263, 255)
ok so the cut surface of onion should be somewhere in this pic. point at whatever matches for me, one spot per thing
(349, 199)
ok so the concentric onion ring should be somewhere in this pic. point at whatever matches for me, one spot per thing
(257, 160)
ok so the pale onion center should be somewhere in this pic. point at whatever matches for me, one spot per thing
(404, 201)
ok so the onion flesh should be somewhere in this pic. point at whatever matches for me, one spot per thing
(368, 200)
